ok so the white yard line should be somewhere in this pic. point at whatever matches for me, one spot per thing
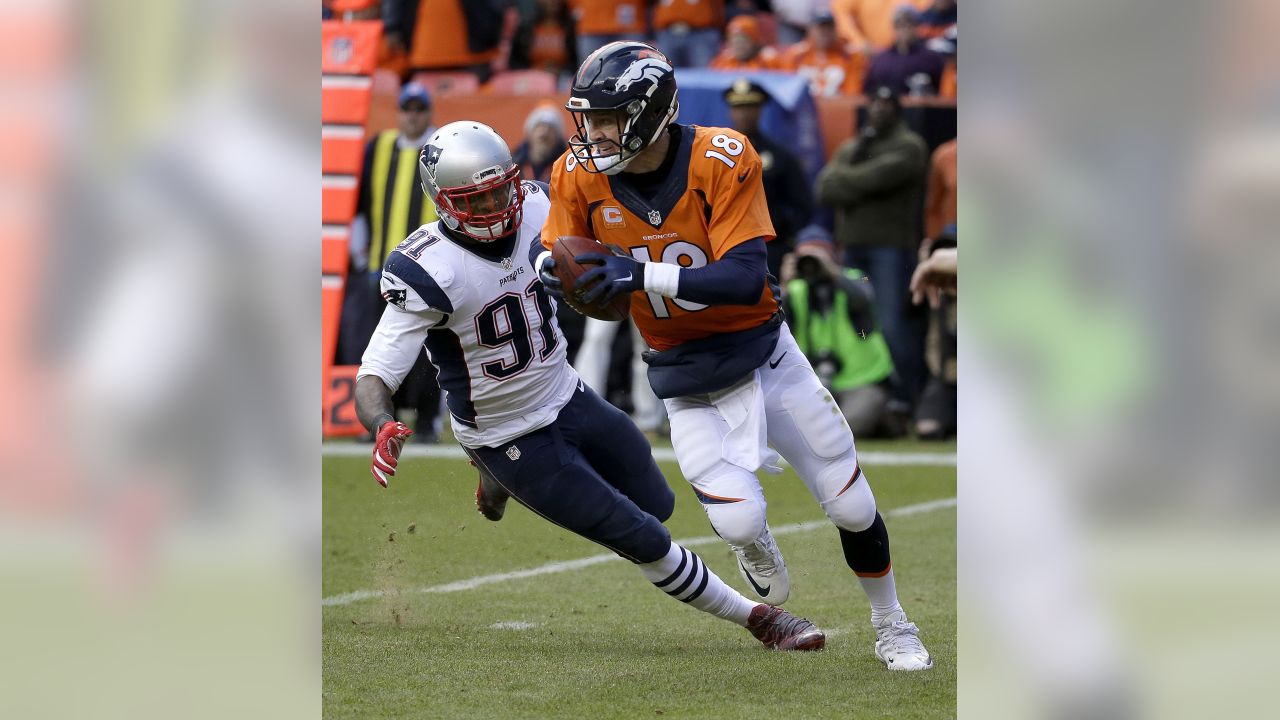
(661, 454)
(558, 567)
(513, 625)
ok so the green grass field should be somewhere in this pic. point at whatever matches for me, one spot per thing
(598, 641)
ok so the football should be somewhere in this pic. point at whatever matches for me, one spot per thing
(565, 253)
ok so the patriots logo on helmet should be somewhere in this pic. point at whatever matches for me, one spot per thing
(431, 156)
(650, 68)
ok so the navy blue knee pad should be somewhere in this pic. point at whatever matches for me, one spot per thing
(867, 552)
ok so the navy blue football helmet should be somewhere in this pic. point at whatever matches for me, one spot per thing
(637, 83)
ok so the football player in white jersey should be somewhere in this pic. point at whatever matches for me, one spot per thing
(464, 286)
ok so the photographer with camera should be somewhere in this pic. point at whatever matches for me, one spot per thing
(831, 312)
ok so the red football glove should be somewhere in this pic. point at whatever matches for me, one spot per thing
(386, 449)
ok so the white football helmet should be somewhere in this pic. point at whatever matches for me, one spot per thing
(468, 172)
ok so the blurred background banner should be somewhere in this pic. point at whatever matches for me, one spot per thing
(159, 468)
(1120, 397)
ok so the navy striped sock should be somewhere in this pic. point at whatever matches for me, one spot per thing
(682, 575)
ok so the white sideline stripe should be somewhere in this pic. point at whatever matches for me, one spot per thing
(513, 625)
(662, 454)
(558, 567)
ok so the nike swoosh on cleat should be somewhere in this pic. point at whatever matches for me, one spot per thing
(774, 365)
(761, 591)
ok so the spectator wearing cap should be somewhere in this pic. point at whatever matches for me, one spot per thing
(867, 25)
(391, 205)
(831, 312)
(874, 184)
(909, 68)
(822, 59)
(786, 189)
(688, 31)
(744, 48)
(544, 143)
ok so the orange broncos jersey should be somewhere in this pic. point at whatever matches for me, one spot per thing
(713, 201)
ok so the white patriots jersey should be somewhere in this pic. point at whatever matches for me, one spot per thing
(489, 328)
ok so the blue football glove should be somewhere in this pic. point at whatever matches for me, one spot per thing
(546, 273)
(618, 274)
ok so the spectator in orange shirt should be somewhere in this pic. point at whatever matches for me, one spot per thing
(867, 25)
(444, 34)
(545, 39)
(940, 197)
(688, 31)
(830, 68)
(600, 22)
(743, 49)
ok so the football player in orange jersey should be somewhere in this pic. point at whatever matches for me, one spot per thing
(686, 207)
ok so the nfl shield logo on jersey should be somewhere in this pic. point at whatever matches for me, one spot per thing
(341, 50)
(655, 218)
(513, 452)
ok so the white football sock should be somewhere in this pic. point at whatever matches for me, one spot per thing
(683, 576)
(883, 594)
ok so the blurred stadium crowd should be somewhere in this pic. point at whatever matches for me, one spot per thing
(851, 104)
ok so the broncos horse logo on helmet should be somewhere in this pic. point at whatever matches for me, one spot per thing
(637, 82)
(645, 69)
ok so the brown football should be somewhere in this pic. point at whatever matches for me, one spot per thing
(565, 253)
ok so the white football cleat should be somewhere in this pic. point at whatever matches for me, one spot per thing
(762, 566)
(898, 644)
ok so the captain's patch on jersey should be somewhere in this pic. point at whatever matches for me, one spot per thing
(613, 216)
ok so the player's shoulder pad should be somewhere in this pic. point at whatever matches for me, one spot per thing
(533, 187)
(723, 152)
(408, 286)
(537, 205)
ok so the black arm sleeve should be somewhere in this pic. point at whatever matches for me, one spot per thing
(735, 279)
